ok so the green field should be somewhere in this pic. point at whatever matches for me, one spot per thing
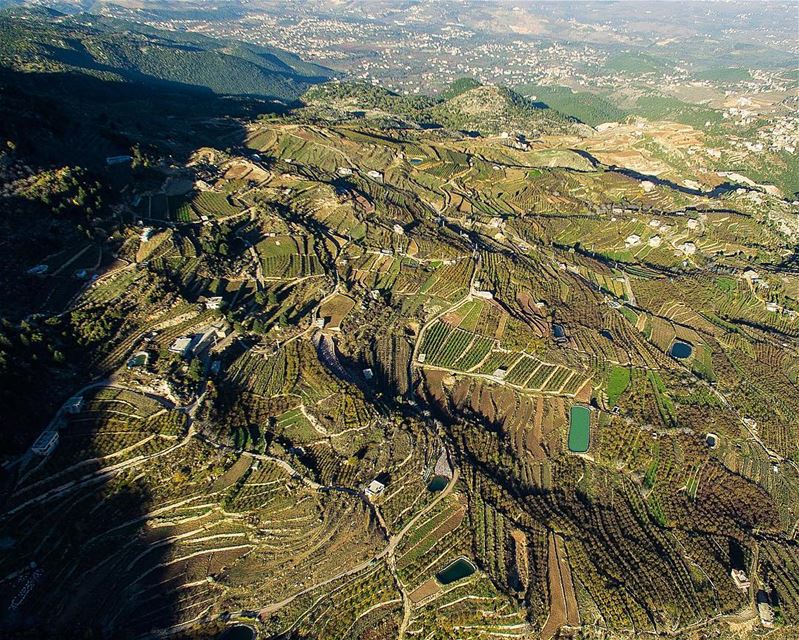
(579, 429)
(618, 380)
(587, 107)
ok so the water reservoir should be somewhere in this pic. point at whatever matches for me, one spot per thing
(238, 632)
(455, 571)
(579, 429)
(438, 483)
(680, 350)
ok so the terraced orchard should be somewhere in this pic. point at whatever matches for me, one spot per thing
(366, 379)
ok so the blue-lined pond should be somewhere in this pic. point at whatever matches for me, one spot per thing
(438, 483)
(681, 350)
(457, 570)
(579, 429)
(238, 632)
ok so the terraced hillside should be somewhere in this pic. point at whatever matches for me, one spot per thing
(323, 385)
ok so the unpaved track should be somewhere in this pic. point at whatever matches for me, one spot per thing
(97, 476)
(562, 601)
(387, 552)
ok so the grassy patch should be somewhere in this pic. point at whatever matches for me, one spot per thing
(635, 63)
(727, 285)
(726, 74)
(629, 314)
(664, 403)
(618, 380)
(587, 107)
(667, 108)
(651, 474)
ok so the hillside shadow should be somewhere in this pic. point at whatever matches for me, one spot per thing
(72, 118)
(57, 120)
(82, 562)
(716, 192)
(77, 556)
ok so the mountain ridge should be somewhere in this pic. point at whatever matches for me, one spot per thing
(122, 50)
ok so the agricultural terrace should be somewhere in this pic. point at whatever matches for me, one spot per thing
(432, 562)
(235, 481)
(335, 309)
(114, 425)
(288, 257)
(194, 207)
(204, 205)
(472, 339)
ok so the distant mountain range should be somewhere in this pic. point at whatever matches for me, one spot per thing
(46, 40)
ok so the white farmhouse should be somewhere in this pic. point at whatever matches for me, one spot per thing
(375, 488)
(45, 444)
(752, 275)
